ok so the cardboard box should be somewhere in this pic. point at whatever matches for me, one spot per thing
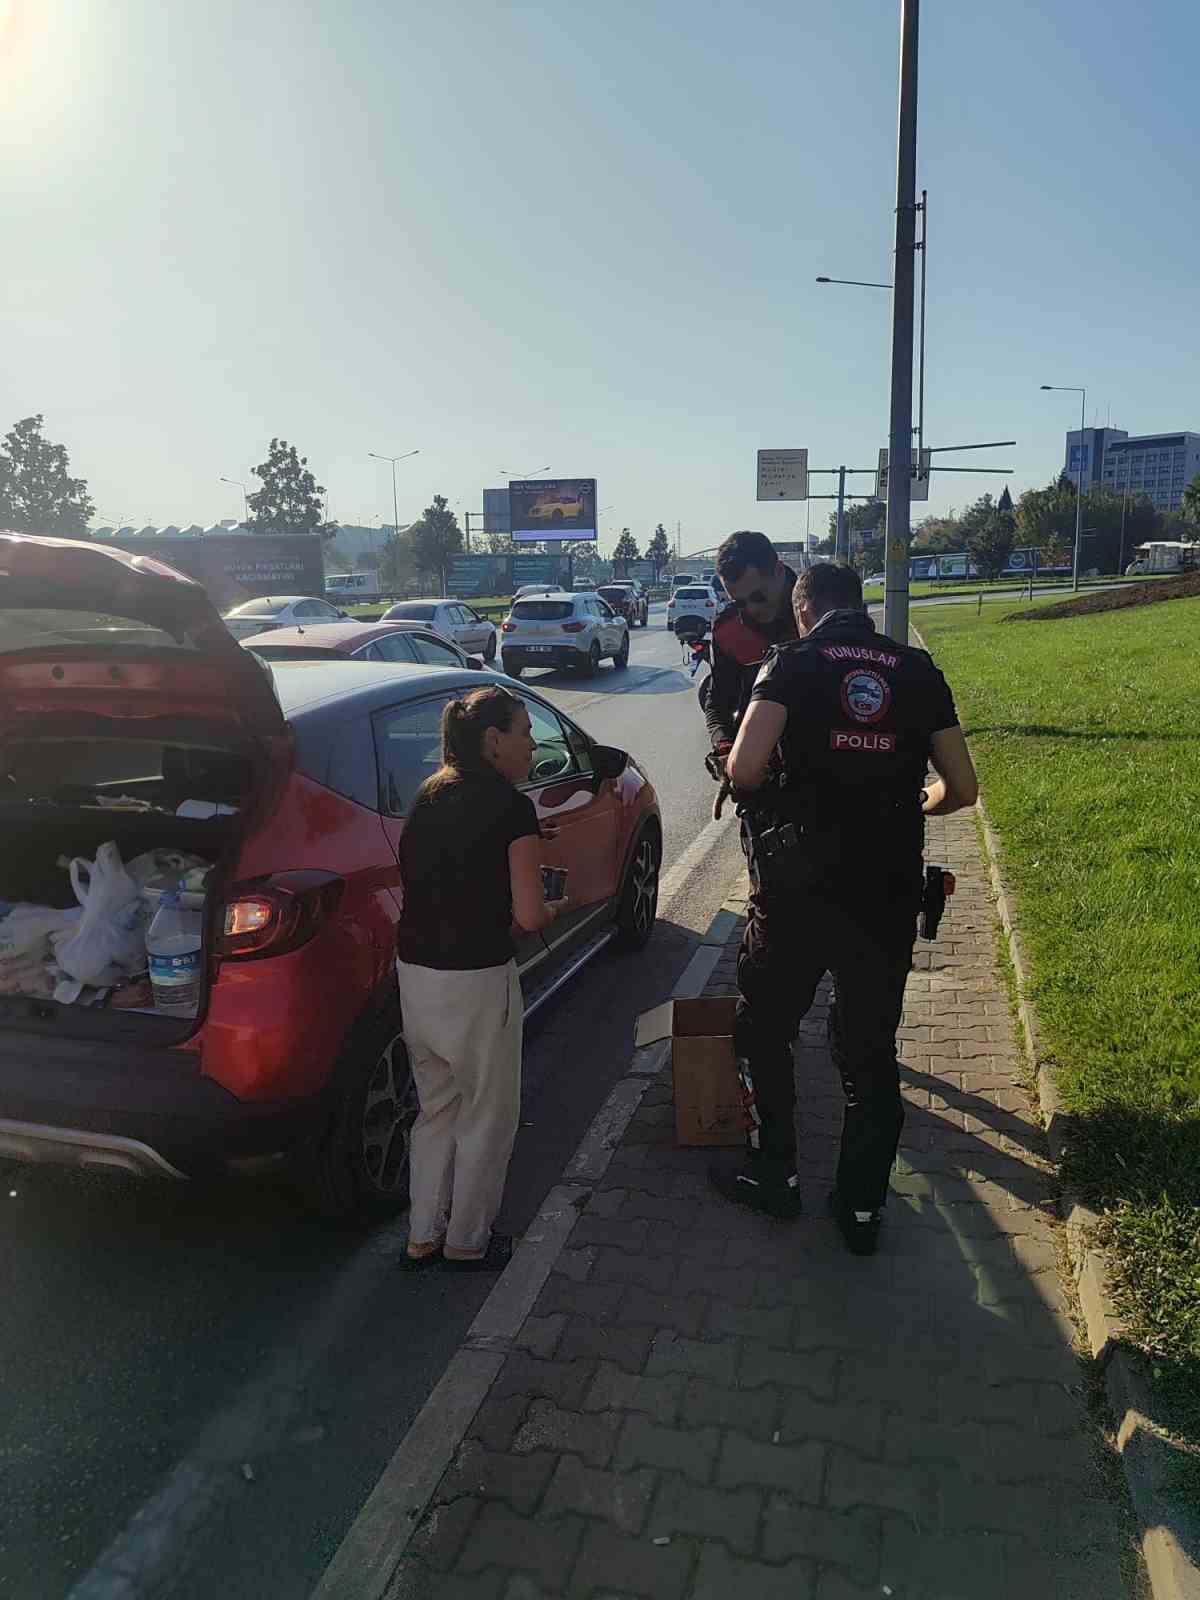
(708, 1100)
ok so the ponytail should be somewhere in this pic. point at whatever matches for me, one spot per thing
(464, 724)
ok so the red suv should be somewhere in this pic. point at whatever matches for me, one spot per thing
(124, 701)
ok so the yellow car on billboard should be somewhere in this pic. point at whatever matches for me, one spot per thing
(555, 506)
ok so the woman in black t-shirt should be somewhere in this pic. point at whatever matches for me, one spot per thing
(470, 864)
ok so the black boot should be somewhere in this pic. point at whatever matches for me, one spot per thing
(759, 1184)
(860, 1229)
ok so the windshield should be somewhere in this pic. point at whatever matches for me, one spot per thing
(413, 612)
(693, 594)
(543, 610)
(33, 630)
(259, 608)
(618, 595)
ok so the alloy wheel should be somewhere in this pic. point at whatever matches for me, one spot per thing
(389, 1112)
(644, 885)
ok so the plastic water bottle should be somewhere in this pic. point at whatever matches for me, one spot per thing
(174, 946)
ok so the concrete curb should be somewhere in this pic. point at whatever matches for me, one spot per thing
(1145, 1452)
(368, 1557)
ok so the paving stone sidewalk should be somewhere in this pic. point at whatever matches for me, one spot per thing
(709, 1405)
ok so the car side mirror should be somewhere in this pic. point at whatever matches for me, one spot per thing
(476, 664)
(608, 761)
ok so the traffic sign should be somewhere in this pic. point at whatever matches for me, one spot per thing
(783, 474)
(919, 488)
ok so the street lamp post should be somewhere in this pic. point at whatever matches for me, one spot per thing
(237, 482)
(1070, 388)
(375, 456)
(518, 476)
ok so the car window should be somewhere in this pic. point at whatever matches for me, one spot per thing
(553, 756)
(545, 610)
(322, 609)
(393, 647)
(434, 652)
(411, 611)
(408, 749)
(369, 652)
(693, 594)
(258, 608)
(605, 609)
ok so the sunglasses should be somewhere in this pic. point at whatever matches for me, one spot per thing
(756, 597)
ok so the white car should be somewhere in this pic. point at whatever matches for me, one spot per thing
(696, 600)
(562, 629)
(279, 611)
(453, 619)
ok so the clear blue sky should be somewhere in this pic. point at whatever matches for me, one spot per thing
(510, 234)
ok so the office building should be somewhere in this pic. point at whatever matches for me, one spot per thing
(1157, 465)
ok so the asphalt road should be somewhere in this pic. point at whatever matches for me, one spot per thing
(200, 1386)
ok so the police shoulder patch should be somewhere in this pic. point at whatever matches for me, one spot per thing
(865, 695)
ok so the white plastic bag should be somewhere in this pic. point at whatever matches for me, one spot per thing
(110, 942)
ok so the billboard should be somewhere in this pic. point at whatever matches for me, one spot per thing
(552, 508)
(239, 566)
(470, 577)
(495, 511)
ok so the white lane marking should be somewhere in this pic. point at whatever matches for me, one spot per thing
(673, 881)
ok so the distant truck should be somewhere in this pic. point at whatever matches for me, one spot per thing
(352, 588)
(1164, 555)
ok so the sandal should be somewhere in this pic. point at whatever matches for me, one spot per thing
(494, 1259)
(419, 1263)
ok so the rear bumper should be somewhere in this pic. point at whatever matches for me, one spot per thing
(152, 1115)
(558, 655)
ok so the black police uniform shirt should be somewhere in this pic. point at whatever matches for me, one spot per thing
(457, 910)
(862, 711)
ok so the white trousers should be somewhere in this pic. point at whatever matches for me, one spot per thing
(463, 1032)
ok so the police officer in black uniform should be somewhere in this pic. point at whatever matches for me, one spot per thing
(758, 616)
(830, 763)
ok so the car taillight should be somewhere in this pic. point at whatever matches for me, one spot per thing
(508, 627)
(270, 916)
(573, 627)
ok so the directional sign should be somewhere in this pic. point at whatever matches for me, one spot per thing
(783, 474)
(919, 488)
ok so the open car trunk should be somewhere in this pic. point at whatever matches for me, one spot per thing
(129, 717)
(63, 797)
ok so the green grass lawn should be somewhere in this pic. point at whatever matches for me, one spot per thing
(1086, 732)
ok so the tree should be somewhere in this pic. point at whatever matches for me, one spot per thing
(436, 536)
(1191, 500)
(291, 499)
(659, 550)
(1046, 520)
(37, 492)
(935, 536)
(626, 549)
(397, 565)
(864, 532)
(990, 532)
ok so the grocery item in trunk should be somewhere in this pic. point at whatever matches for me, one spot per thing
(109, 942)
(174, 945)
(25, 933)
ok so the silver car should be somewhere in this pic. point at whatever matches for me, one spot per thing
(563, 630)
(279, 611)
(453, 619)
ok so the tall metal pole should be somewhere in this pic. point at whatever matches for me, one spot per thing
(1079, 492)
(839, 526)
(921, 360)
(899, 507)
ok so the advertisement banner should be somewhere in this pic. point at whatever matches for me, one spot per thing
(552, 508)
(469, 577)
(540, 569)
(239, 566)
